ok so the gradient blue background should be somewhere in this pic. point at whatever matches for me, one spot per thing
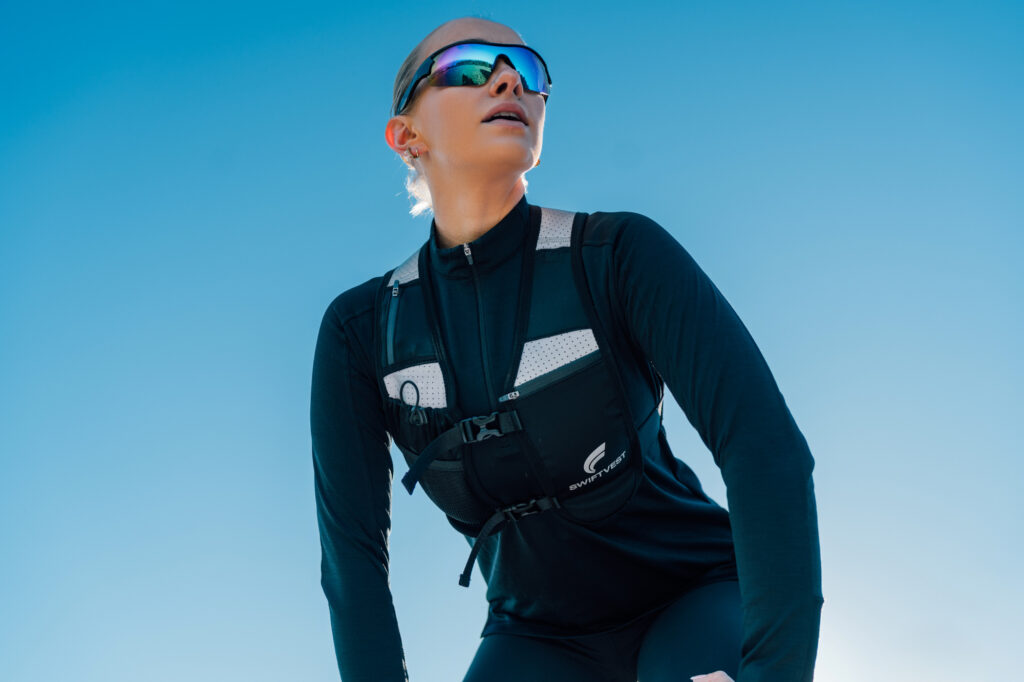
(185, 187)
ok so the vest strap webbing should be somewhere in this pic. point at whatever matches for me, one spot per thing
(501, 517)
(469, 430)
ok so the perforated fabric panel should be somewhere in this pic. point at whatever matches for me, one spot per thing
(555, 228)
(427, 378)
(543, 355)
(407, 271)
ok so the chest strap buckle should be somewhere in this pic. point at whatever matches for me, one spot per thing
(469, 430)
(475, 429)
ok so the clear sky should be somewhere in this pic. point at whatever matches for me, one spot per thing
(185, 186)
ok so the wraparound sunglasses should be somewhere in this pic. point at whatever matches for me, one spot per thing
(471, 62)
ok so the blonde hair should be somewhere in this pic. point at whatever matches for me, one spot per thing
(415, 182)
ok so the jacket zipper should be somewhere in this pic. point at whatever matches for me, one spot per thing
(392, 323)
(554, 376)
(480, 318)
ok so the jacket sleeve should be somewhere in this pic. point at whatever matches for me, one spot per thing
(352, 473)
(710, 363)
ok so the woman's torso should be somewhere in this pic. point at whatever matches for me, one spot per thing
(546, 574)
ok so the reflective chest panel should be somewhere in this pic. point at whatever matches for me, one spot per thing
(562, 438)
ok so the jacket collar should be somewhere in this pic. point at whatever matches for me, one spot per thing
(488, 250)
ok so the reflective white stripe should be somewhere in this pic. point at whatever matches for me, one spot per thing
(555, 228)
(408, 270)
(550, 353)
(428, 380)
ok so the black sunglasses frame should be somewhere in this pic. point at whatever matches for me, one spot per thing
(428, 64)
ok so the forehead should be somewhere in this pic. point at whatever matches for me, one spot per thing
(470, 30)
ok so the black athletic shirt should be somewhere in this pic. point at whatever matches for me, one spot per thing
(648, 289)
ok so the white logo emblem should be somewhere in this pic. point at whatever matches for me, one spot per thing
(592, 469)
(590, 464)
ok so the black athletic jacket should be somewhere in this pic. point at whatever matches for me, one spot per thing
(647, 288)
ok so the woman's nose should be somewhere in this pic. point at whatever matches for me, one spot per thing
(505, 76)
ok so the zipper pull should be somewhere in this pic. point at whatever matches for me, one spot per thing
(392, 319)
(469, 254)
(508, 396)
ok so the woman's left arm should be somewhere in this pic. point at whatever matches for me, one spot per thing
(717, 374)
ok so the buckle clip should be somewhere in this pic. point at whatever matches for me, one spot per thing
(518, 511)
(475, 429)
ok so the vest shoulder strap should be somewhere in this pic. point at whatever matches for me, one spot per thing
(408, 270)
(555, 228)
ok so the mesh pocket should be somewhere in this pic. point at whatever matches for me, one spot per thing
(444, 480)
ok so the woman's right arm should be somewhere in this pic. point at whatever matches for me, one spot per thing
(352, 472)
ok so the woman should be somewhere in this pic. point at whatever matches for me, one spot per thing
(517, 360)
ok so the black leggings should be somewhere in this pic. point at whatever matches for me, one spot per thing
(697, 634)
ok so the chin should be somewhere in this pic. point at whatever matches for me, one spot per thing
(514, 154)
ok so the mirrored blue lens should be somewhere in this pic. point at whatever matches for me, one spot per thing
(473, 63)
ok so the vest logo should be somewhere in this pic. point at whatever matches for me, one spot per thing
(597, 473)
(592, 458)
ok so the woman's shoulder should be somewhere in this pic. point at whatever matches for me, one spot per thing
(354, 302)
(609, 227)
(628, 235)
(350, 313)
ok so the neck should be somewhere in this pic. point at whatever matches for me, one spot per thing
(468, 210)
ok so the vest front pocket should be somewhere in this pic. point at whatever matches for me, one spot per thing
(579, 437)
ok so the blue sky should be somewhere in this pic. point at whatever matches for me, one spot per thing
(184, 187)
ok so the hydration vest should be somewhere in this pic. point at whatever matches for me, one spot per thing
(563, 439)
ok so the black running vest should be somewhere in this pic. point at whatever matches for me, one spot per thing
(565, 438)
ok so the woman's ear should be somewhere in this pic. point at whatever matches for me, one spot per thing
(399, 135)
